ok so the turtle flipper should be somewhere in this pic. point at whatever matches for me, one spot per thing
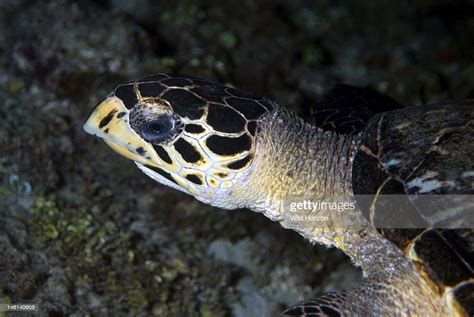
(328, 305)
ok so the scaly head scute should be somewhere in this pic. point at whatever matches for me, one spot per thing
(187, 133)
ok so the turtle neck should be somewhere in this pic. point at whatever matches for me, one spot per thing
(297, 162)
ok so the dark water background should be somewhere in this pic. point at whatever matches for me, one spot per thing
(83, 232)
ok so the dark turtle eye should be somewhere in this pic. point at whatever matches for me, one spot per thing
(158, 130)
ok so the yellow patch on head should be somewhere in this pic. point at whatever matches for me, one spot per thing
(109, 121)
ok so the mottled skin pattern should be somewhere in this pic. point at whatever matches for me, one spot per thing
(233, 150)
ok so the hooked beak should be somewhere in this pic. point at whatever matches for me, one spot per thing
(110, 121)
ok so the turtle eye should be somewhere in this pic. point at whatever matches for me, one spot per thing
(157, 130)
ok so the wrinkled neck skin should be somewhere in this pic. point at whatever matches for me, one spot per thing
(297, 160)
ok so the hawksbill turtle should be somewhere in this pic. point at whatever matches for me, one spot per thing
(233, 149)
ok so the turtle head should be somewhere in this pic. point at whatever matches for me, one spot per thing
(186, 133)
